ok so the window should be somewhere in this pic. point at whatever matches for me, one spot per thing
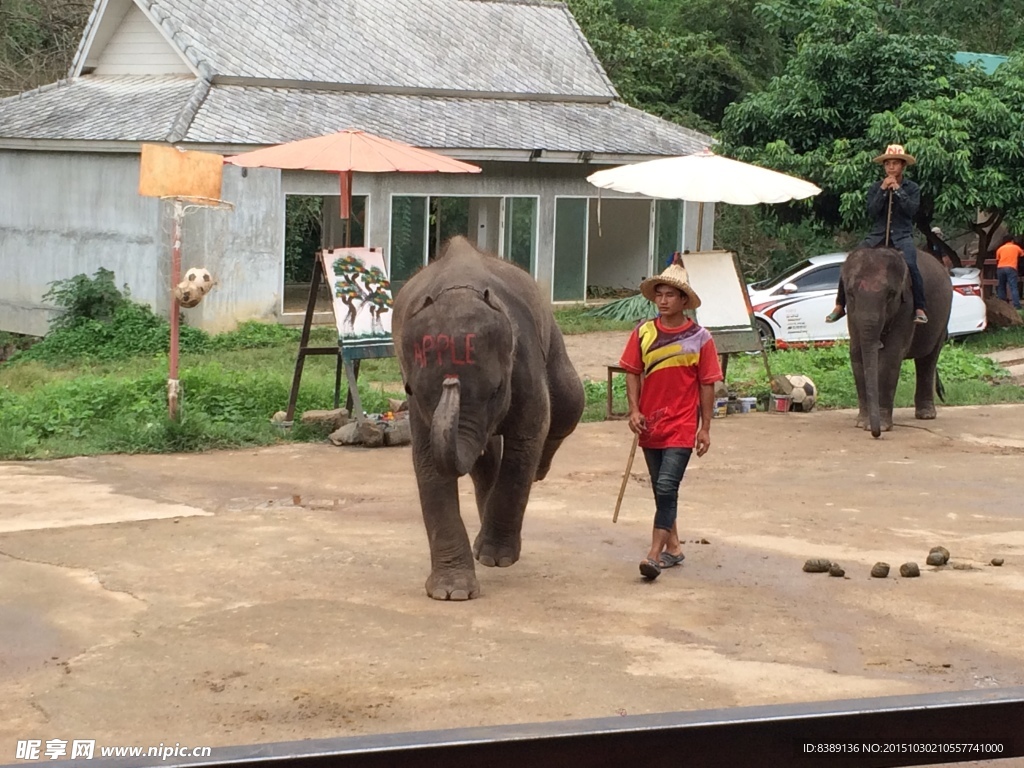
(520, 244)
(823, 279)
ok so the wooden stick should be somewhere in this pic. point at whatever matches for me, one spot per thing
(888, 220)
(625, 477)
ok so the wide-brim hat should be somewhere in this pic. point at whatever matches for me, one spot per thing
(896, 152)
(675, 276)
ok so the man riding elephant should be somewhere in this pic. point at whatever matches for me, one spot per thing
(892, 204)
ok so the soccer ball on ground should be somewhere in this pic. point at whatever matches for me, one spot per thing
(803, 393)
(200, 279)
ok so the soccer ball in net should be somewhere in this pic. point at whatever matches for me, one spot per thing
(200, 279)
(187, 294)
(803, 394)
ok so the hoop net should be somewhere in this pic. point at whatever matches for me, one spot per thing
(188, 204)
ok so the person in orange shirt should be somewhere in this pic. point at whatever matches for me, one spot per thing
(1007, 256)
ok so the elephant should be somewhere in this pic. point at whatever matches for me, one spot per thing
(883, 333)
(491, 393)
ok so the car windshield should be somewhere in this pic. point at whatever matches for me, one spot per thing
(799, 266)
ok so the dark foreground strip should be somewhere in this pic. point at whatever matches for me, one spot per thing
(861, 733)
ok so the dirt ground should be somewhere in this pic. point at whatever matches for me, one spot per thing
(277, 594)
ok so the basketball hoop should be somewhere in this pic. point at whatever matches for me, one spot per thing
(182, 205)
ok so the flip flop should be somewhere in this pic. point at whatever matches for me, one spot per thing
(668, 560)
(650, 569)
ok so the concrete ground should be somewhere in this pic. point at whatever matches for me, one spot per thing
(277, 594)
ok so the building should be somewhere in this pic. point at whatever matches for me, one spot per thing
(510, 85)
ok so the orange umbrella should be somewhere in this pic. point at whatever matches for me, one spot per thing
(348, 151)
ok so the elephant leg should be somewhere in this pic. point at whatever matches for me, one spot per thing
(857, 363)
(485, 473)
(889, 362)
(567, 403)
(924, 394)
(452, 572)
(500, 537)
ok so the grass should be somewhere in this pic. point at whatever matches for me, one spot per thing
(56, 402)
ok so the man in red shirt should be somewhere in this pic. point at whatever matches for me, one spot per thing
(1007, 257)
(671, 368)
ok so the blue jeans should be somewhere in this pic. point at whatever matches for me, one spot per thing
(1007, 287)
(667, 466)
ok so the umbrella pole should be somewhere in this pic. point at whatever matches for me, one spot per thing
(700, 226)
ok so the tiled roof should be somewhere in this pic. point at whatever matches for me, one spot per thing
(102, 108)
(245, 115)
(177, 110)
(497, 46)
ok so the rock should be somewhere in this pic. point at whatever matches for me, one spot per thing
(997, 561)
(836, 570)
(398, 432)
(279, 417)
(397, 406)
(817, 565)
(370, 433)
(963, 566)
(880, 570)
(938, 556)
(332, 420)
(910, 570)
(781, 385)
(346, 435)
(721, 390)
(1001, 314)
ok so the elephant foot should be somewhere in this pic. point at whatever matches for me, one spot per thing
(455, 584)
(496, 552)
(925, 412)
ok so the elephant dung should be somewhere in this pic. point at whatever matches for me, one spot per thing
(910, 570)
(938, 556)
(836, 570)
(997, 561)
(817, 565)
(880, 570)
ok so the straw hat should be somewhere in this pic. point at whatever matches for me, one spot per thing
(675, 276)
(895, 152)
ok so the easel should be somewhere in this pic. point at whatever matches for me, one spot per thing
(348, 355)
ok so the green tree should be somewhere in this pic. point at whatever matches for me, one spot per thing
(852, 88)
(38, 40)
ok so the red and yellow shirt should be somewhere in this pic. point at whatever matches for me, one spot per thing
(673, 362)
(1007, 255)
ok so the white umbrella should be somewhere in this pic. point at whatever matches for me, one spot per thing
(704, 177)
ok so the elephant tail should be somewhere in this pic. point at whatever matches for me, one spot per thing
(939, 389)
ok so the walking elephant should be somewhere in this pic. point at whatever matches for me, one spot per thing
(492, 393)
(883, 333)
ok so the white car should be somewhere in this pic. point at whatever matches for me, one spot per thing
(790, 309)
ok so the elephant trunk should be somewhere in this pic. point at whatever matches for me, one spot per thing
(450, 454)
(870, 339)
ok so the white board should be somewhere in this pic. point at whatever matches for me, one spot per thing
(716, 279)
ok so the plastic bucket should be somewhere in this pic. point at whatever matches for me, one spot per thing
(721, 407)
(748, 404)
(779, 404)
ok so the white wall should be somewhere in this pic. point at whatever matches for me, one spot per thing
(64, 214)
(138, 48)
